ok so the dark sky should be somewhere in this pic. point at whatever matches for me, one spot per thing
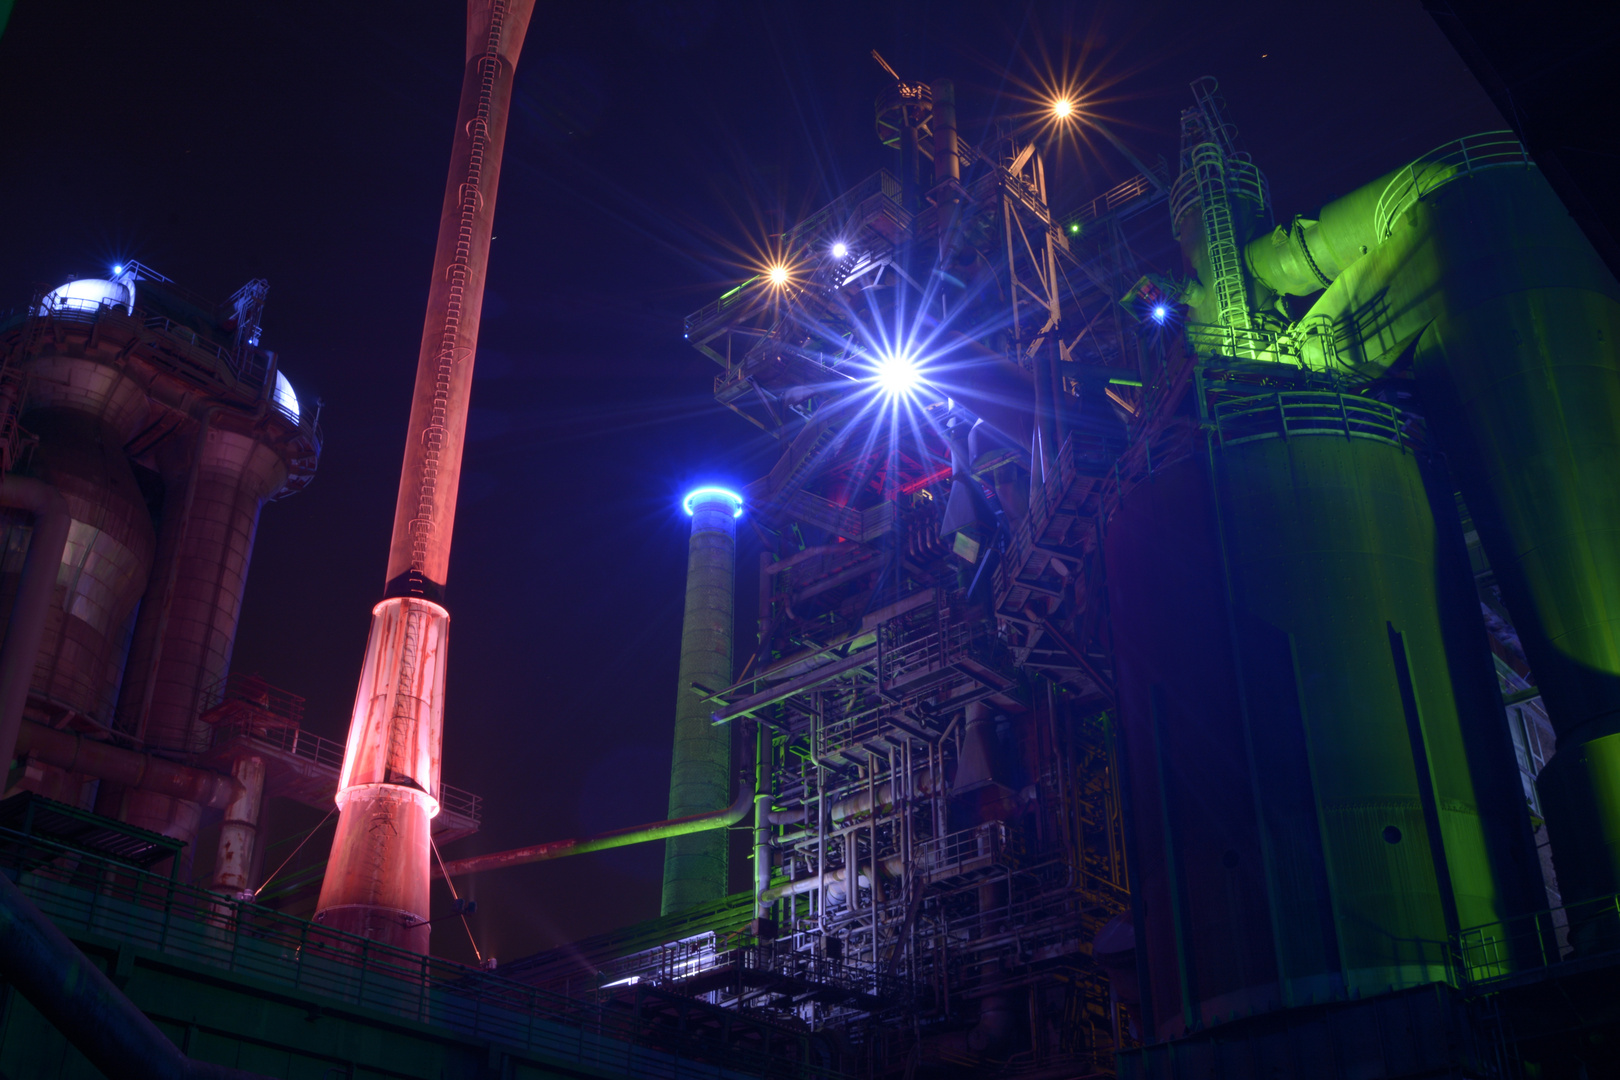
(651, 145)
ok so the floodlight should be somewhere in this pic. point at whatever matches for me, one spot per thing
(897, 374)
(118, 269)
(689, 504)
(840, 249)
(1062, 108)
(1160, 313)
(779, 275)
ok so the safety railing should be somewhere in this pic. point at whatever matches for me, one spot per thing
(963, 852)
(1442, 165)
(1540, 941)
(1289, 413)
(86, 896)
(253, 693)
(1115, 198)
(1243, 180)
(328, 754)
(187, 352)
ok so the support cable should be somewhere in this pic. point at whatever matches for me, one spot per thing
(456, 897)
(295, 851)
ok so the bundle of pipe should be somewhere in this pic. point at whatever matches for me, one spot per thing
(376, 882)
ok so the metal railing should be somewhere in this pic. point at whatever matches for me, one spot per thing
(1541, 941)
(86, 895)
(1116, 197)
(254, 693)
(1440, 166)
(1289, 413)
(187, 352)
(962, 852)
(328, 753)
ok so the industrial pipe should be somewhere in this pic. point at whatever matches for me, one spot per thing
(129, 768)
(762, 816)
(1305, 256)
(836, 879)
(27, 623)
(857, 804)
(239, 832)
(1509, 317)
(376, 882)
(84, 1005)
(695, 867)
(636, 834)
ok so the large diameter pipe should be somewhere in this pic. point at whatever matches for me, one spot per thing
(419, 553)
(1305, 256)
(27, 624)
(695, 866)
(376, 880)
(129, 768)
(239, 832)
(762, 816)
(1511, 321)
(637, 834)
(84, 1005)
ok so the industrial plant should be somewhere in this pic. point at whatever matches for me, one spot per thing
(1187, 645)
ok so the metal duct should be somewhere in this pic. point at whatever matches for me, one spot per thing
(233, 474)
(84, 1005)
(130, 768)
(636, 834)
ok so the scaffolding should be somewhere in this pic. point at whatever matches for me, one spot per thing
(945, 830)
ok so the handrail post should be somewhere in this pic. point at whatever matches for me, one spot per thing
(303, 948)
(422, 994)
(365, 965)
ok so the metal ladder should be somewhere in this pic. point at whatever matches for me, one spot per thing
(1225, 263)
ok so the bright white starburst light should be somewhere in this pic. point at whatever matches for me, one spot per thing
(897, 374)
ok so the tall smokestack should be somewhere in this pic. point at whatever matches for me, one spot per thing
(376, 882)
(695, 867)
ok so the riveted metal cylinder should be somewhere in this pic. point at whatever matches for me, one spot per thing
(236, 473)
(1520, 372)
(104, 565)
(1321, 785)
(695, 867)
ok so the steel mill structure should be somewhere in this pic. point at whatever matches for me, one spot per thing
(1185, 647)
(1149, 672)
(145, 430)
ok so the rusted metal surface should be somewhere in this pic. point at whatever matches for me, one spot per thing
(130, 768)
(376, 880)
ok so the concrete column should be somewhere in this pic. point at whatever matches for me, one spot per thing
(239, 832)
(700, 772)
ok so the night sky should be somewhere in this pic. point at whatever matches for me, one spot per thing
(653, 147)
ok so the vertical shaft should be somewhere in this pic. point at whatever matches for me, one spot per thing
(238, 833)
(700, 770)
(762, 819)
(376, 881)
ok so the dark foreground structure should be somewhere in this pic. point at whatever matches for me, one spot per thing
(1187, 645)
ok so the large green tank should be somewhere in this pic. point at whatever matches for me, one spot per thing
(1475, 272)
(1318, 765)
